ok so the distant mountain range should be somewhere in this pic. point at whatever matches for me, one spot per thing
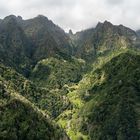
(60, 86)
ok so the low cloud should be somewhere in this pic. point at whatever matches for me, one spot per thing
(76, 14)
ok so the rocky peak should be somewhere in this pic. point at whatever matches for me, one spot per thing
(116, 29)
(70, 32)
(12, 19)
(41, 20)
(106, 24)
(41, 17)
(19, 17)
(125, 31)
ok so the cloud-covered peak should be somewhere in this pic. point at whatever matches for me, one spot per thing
(76, 14)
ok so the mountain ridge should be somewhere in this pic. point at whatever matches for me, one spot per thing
(71, 86)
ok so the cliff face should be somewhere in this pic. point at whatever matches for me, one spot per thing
(24, 42)
(104, 37)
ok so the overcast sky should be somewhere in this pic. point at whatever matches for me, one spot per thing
(76, 14)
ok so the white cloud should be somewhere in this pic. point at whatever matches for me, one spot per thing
(76, 14)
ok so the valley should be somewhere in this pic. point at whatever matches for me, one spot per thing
(64, 86)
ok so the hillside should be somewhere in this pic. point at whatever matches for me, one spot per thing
(21, 119)
(60, 86)
(104, 37)
(48, 39)
(52, 101)
(55, 72)
(24, 42)
(107, 104)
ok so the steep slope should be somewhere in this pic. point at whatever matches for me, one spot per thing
(15, 48)
(50, 101)
(137, 43)
(55, 72)
(83, 47)
(48, 38)
(25, 42)
(138, 32)
(88, 82)
(20, 119)
(105, 37)
(109, 102)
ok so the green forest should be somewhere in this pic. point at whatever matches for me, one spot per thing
(64, 86)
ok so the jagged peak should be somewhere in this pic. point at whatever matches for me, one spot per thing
(19, 17)
(70, 32)
(41, 16)
(107, 23)
(104, 24)
(120, 29)
(43, 19)
(10, 16)
(125, 28)
(13, 17)
(99, 24)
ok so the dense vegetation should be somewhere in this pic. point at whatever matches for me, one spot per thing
(52, 101)
(21, 119)
(108, 102)
(55, 72)
(53, 84)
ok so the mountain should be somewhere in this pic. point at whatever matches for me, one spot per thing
(48, 38)
(103, 38)
(26, 121)
(20, 119)
(24, 42)
(60, 86)
(107, 104)
(15, 47)
(46, 99)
